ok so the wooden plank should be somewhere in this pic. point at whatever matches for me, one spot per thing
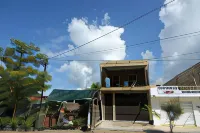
(114, 109)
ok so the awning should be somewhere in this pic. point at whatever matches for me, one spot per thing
(70, 95)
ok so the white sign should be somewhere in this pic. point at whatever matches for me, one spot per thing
(168, 90)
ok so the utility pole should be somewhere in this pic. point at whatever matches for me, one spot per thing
(45, 67)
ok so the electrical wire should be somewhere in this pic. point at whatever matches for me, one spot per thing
(151, 59)
(128, 23)
(172, 38)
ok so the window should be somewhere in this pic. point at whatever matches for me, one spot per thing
(132, 79)
(116, 81)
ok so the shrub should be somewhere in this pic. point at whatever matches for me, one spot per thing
(14, 123)
(27, 123)
(173, 110)
(4, 121)
(79, 122)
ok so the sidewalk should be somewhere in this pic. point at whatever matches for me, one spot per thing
(149, 129)
(126, 126)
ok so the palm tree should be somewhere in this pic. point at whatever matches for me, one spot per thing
(95, 86)
(173, 110)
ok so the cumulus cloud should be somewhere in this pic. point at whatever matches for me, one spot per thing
(80, 74)
(80, 31)
(149, 55)
(179, 17)
(105, 20)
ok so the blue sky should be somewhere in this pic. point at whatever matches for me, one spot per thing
(46, 23)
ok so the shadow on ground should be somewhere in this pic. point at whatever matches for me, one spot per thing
(153, 131)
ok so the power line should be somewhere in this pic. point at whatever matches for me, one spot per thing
(181, 36)
(151, 11)
(151, 59)
(135, 60)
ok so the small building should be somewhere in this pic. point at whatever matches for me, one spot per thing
(185, 87)
(125, 90)
(87, 100)
(189, 98)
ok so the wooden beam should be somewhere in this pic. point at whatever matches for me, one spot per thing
(145, 75)
(114, 108)
(102, 106)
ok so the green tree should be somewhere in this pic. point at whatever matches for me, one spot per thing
(173, 110)
(95, 86)
(43, 77)
(21, 77)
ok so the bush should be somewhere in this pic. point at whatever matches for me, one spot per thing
(14, 123)
(27, 123)
(4, 121)
(173, 110)
(79, 122)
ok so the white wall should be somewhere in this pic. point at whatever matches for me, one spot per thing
(156, 102)
(196, 102)
(155, 107)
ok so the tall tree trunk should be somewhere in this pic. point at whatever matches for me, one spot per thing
(14, 111)
(45, 66)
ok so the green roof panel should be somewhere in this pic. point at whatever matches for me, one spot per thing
(68, 95)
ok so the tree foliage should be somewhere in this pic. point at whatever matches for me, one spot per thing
(95, 86)
(21, 77)
(173, 110)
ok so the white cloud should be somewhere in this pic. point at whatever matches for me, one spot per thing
(149, 55)
(105, 20)
(159, 81)
(80, 89)
(80, 31)
(179, 17)
(63, 68)
(79, 74)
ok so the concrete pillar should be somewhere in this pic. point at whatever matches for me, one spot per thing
(114, 108)
(102, 106)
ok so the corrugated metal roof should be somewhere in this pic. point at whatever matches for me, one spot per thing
(183, 76)
(68, 95)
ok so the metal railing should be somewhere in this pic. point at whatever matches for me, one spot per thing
(189, 88)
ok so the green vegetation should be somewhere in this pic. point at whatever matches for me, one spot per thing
(4, 121)
(95, 86)
(151, 112)
(27, 123)
(14, 123)
(19, 80)
(79, 122)
(173, 110)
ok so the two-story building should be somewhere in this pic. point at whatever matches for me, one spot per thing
(125, 90)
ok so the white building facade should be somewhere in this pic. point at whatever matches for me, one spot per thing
(189, 98)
